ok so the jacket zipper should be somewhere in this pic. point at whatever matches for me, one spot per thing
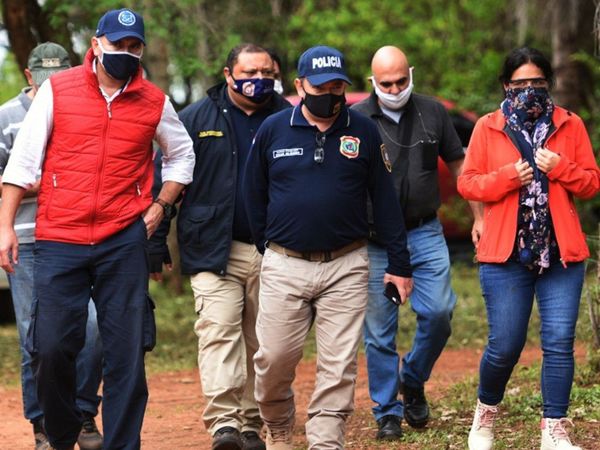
(100, 170)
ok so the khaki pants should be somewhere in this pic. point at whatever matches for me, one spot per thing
(294, 294)
(227, 307)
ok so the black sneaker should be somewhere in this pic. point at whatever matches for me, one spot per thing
(39, 433)
(89, 437)
(252, 441)
(227, 438)
(389, 428)
(416, 409)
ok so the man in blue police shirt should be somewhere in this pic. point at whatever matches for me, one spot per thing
(306, 184)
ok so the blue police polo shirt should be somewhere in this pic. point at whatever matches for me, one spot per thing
(305, 205)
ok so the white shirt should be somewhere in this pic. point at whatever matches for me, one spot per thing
(30, 144)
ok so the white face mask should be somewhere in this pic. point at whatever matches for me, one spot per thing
(278, 87)
(394, 101)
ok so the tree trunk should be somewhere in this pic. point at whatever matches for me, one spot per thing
(571, 30)
(19, 21)
(28, 25)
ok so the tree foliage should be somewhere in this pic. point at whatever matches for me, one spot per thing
(456, 46)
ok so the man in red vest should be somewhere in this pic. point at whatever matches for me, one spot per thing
(90, 130)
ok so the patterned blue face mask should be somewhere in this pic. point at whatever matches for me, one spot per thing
(256, 90)
(528, 103)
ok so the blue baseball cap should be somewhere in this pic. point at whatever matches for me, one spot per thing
(322, 64)
(121, 23)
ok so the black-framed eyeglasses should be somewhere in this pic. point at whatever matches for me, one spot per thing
(524, 82)
(319, 148)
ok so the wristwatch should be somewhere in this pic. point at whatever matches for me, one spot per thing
(167, 208)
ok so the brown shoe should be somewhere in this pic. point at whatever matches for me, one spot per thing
(279, 439)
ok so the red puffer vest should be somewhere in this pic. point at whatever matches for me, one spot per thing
(97, 172)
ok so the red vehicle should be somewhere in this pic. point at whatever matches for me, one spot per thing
(454, 214)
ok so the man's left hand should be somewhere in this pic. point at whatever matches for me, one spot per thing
(152, 218)
(404, 285)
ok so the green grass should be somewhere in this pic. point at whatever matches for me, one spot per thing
(10, 358)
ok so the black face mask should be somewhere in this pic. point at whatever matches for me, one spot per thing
(324, 106)
(119, 65)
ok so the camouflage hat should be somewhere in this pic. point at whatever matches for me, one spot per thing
(47, 59)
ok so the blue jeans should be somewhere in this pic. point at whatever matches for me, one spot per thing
(114, 273)
(508, 290)
(89, 361)
(432, 301)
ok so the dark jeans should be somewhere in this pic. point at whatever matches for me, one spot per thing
(114, 273)
(89, 361)
(508, 290)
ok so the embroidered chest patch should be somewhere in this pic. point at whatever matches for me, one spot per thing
(210, 133)
(349, 146)
(281, 153)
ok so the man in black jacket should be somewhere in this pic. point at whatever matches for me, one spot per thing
(216, 245)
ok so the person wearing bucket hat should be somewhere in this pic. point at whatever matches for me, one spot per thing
(315, 263)
(90, 131)
(45, 60)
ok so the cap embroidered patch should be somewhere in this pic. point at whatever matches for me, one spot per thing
(50, 62)
(386, 158)
(349, 146)
(126, 18)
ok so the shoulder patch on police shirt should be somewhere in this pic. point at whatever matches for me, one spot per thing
(210, 133)
(349, 146)
(287, 152)
(386, 158)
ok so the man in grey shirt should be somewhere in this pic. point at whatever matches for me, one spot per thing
(45, 60)
(416, 130)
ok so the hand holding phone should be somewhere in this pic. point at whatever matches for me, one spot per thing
(392, 294)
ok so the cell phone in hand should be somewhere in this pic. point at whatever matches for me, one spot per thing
(392, 294)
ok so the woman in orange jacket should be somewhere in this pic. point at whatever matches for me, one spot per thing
(525, 163)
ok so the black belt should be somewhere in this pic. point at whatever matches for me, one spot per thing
(416, 223)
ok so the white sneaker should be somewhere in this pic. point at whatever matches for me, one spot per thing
(279, 439)
(481, 436)
(555, 436)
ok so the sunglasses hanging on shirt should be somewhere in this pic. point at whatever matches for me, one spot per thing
(319, 149)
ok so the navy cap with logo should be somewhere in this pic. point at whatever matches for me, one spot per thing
(322, 64)
(47, 59)
(121, 23)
